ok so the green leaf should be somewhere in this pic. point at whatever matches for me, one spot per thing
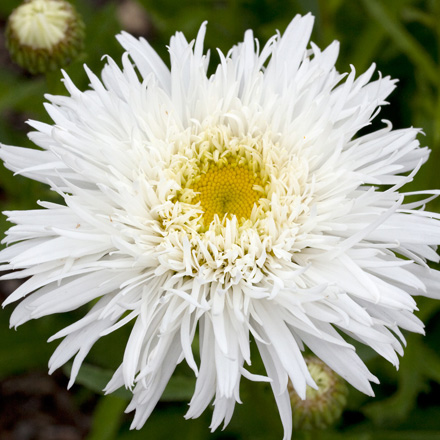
(96, 378)
(25, 348)
(180, 388)
(107, 418)
(418, 365)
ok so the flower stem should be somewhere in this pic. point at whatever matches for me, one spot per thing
(306, 435)
(53, 81)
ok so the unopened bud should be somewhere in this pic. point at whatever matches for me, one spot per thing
(324, 406)
(44, 35)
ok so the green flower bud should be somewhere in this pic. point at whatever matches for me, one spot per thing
(324, 406)
(44, 35)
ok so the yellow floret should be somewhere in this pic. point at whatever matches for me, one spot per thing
(227, 190)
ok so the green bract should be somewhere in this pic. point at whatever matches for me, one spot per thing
(324, 406)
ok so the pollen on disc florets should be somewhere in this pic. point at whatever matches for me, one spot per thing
(227, 189)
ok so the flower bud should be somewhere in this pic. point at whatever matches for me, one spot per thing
(44, 35)
(322, 407)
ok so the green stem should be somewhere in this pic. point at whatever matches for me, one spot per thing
(53, 81)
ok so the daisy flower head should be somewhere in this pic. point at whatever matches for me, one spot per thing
(236, 208)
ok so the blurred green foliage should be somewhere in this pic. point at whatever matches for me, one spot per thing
(403, 38)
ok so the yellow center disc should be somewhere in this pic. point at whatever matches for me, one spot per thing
(227, 190)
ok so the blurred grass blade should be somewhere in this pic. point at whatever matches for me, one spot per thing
(404, 40)
(371, 41)
(107, 418)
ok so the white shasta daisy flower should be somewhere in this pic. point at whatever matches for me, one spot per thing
(236, 208)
